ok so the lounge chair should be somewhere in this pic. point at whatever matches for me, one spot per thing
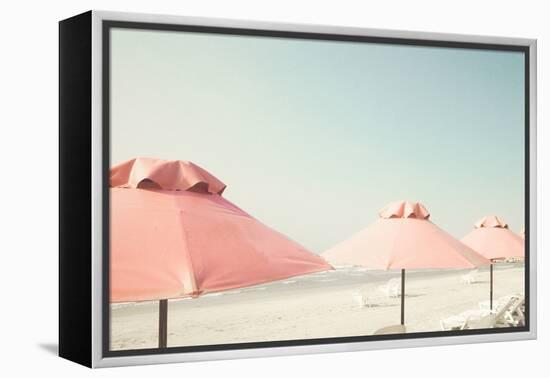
(495, 319)
(470, 277)
(461, 321)
(453, 323)
(362, 299)
(358, 298)
(498, 303)
(515, 316)
(473, 319)
(392, 289)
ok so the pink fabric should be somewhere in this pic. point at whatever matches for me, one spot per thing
(176, 243)
(495, 242)
(522, 232)
(491, 221)
(164, 174)
(404, 209)
(399, 241)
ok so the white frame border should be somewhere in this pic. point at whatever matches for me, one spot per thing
(99, 361)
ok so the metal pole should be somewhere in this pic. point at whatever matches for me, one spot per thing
(402, 296)
(163, 323)
(491, 290)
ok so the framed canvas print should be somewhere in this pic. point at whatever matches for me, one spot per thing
(236, 189)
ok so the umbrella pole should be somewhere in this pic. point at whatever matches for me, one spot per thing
(163, 323)
(491, 289)
(402, 296)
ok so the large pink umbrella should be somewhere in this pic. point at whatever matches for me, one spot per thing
(173, 235)
(492, 239)
(404, 238)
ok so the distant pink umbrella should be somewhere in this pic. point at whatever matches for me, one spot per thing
(404, 238)
(492, 239)
(173, 235)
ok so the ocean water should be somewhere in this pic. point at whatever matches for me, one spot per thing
(341, 276)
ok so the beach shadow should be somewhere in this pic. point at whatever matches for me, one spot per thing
(379, 305)
(51, 348)
(414, 295)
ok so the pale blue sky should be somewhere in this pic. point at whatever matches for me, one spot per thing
(314, 137)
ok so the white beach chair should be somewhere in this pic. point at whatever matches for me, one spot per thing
(453, 323)
(362, 298)
(358, 298)
(505, 313)
(392, 289)
(498, 303)
(461, 321)
(515, 316)
(374, 300)
(494, 319)
(470, 277)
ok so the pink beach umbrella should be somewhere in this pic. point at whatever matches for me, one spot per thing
(404, 238)
(492, 239)
(173, 235)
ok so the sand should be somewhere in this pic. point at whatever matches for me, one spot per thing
(317, 305)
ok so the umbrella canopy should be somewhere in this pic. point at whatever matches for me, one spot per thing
(174, 235)
(492, 239)
(404, 238)
(163, 174)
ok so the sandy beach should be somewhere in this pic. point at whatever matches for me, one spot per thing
(317, 305)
